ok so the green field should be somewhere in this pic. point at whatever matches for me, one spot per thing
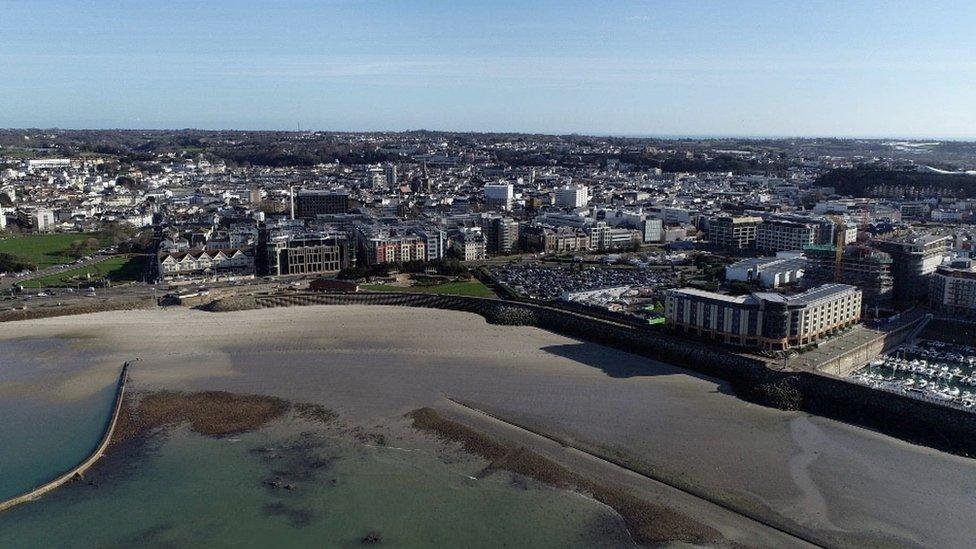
(117, 269)
(44, 250)
(473, 289)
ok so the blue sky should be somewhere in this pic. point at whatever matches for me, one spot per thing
(846, 68)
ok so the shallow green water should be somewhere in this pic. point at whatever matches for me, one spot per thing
(189, 490)
(42, 435)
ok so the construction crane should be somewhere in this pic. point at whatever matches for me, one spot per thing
(840, 237)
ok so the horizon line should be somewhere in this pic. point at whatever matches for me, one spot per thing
(622, 135)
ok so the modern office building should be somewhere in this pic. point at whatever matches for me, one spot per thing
(953, 289)
(733, 233)
(776, 235)
(501, 234)
(764, 320)
(572, 196)
(307, 253)
(914, 257)
(499, 196)
(390, 174)
(652, 229)
(861, 266)
(310, 203)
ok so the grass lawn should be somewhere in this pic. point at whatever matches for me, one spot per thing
(473, 289)
(117, 269)
(44, 250)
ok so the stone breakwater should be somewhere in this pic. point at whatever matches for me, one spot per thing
(918, 421)
(79, 470)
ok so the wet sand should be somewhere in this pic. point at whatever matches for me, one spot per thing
(836, 483)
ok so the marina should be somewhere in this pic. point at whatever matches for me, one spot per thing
(926, 369)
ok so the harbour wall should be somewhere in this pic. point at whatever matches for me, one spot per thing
(915, 420)
(79, 469)
(843, 364)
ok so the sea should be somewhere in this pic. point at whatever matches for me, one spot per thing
(291, 483)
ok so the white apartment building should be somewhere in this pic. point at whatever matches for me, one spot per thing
(196, 263)
(572, 196)
(499, 196)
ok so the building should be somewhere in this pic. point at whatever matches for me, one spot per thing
(501, 234)
(775, 235)
(308, 253)
(555, 240)
(39, 220)
(914, 258)
(48, 164)
(861, 266)
(389, 246)
(435, 241)
(499, 196)
(953, 289)
(3, 219)
(733, 233)
(195, 264)
(652, 229)
(470, 245)
(310, 203)
(769, 272)
(764, 320)
(572, 196)
(390, 175)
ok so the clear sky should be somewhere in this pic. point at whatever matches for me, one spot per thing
(687, 67)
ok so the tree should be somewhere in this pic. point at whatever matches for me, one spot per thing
(82, 247)
(10, 263)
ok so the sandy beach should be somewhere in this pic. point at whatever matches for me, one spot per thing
(834, 483)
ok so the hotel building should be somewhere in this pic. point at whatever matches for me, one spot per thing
(763, 319)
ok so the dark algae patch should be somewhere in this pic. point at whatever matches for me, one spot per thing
(315, 413)
(210, 413)
(649, 523)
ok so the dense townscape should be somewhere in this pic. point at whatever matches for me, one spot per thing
(763, 244)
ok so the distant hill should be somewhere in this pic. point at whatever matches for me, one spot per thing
(882, 183)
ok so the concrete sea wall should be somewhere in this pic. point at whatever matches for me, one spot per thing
(79, 469)
(918, 421)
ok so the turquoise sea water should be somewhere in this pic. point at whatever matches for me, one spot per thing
(184, 489)
(293, 483)
(42, 435)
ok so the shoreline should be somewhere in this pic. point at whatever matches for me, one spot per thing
(658, 418)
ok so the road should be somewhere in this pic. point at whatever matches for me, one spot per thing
(8, 282)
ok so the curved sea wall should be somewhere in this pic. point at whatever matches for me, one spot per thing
(919, 421)
(79, 469)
